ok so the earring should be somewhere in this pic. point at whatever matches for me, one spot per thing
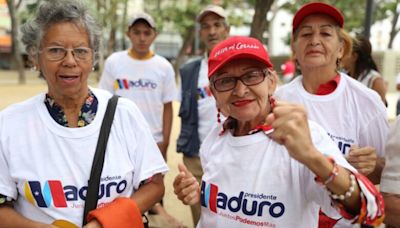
(34, 68)
(93, 68)
(219, 116)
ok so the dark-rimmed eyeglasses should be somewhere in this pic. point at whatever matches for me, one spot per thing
(226, 83)
(57, 53)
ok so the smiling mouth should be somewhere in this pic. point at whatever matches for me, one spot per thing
(68, 77)
(241, 103)
(313, 52)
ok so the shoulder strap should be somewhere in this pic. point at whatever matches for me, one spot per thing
(98, 160)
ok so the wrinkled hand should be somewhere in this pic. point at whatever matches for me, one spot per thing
(363, 159)
(186, 187)
(291, 129)
(93, 224)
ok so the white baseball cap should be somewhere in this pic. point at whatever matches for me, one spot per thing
(211, 9)
(142, 16)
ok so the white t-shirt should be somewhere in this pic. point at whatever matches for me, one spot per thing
(368, 80)
(390, 181)
(206, 105)
(149, 83)
(45, 167)
(251, 181)
(352, 114)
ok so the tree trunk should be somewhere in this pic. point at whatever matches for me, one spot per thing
(393, 31)
(114, 23)
(100, 62)
(274, 10)
(16, 51)
(124, 25)
(259, 24)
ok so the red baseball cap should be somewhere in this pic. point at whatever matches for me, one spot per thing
(236, 47)
(317, 8)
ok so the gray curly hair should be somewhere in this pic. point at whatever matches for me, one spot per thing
(53, 12)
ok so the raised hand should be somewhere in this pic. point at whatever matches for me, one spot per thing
(363, 159)
(186, 187)
(291, 129)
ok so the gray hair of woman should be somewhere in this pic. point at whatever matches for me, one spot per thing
(52, 12)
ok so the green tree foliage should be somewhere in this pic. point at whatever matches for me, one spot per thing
(16, 50)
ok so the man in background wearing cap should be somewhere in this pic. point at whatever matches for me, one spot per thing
(198, 110)
(147, 79)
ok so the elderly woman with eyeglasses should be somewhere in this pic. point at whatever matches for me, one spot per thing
(47, 143)
(267, 165)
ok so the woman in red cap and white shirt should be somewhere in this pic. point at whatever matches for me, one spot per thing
(267, 165)
(353, 115)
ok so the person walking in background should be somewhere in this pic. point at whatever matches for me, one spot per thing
(48, 142)
(147, 79)
(361, 66)
(267, 165)
(353, 115)
(198, 111)
(390, 183)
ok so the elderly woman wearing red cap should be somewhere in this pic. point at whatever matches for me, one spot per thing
(353, 115)
(267, 165)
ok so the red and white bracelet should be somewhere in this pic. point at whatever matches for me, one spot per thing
(332, 174)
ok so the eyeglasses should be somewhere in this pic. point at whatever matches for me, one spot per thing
(57, 53)
(249, 79)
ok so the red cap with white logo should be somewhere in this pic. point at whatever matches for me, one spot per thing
(237, 47)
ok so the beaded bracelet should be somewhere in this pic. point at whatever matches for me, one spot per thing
(332, 174)
(348, 193)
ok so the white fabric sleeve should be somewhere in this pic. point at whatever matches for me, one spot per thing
(7, 186)
(144, 154)
(170, 92)
(390, 181)
(107, 78)
(375, 132)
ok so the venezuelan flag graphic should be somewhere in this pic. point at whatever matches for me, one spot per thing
(52, 192)
(209, 196)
